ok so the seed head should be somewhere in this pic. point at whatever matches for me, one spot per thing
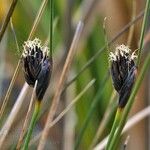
(37, 66)
(123, 72)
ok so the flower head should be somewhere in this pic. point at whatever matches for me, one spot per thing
(37, 65)
(123, 71)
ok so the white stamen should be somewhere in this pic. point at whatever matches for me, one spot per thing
(133, 55)
(112, 57)
(124, 49)
(31, 45)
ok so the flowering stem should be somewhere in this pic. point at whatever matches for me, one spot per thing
(129, 104)
(143, 31)
(32, 124)
(114, 127)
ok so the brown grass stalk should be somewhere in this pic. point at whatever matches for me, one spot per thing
(37, 19)
(14, 112)
(104, 121)
(60, 86)
(131, 30)
(7, 19)
(27, 118)
(5, 101)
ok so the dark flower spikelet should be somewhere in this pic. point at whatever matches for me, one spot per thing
(37, 66)
(123, 72)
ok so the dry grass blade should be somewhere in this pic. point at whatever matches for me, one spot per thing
(37, 19)
(71, 104)
(14, 112)
(9, 89)
(104, 121)
(60, 86)
(5, 101)
(7, 19)
(131, 31)
(132, 122)
(25, 125)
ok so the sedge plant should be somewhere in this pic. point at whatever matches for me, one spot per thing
(121, 115)
(38, 66)
(123, 72)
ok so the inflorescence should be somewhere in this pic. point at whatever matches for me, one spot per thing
(123, 72)
(37, 66)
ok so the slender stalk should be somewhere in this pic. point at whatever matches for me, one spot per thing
(143, 31)
(7, 19)
(4, 104)
(38, 17)
(71, 104)
(26, 121)
(5, 101)
(106, 39)
(107, 116)
(32, 124)
(114, 127)
(51, 27)
(131, 30)
(130, 102)
(15, 37)
(14, 112)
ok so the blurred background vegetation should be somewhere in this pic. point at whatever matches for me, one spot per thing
(67, 13)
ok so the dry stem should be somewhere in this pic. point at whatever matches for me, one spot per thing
(7, 19)
(25, 125)
(14, 112)
(60, 86)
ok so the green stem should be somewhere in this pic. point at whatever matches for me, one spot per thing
(130, 102)
(32, 124)
(143, 31)
(51, 27)
(114, 127)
